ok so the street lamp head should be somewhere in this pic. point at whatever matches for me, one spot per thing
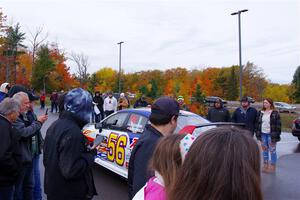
(120, 42)
(239, 12)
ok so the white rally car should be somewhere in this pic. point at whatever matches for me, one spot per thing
(121, 131)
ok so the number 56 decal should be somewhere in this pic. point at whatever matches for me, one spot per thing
(116, 148)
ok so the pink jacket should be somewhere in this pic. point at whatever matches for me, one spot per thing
(155, 190)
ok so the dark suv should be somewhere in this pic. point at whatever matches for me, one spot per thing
(296, 128)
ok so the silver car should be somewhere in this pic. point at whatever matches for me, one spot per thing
(284, 107)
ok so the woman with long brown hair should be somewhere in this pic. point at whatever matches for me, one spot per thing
(268, 130)
(222, 164)
(166, 161)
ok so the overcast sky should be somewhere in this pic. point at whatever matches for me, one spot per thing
(161, 34)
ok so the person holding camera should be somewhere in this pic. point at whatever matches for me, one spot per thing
(67, 159)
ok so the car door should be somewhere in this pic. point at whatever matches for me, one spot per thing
(135, 126)
(121, 132)
(112, 150)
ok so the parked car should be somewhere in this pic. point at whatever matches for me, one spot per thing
(251, 100)
(210, 100)
(284, 107)
(121, 131)
(296, 128)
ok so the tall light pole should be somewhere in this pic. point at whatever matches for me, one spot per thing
(240, 50)
(120, 43)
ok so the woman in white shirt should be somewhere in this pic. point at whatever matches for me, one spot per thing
(268, 130)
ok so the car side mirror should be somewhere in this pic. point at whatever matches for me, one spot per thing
(99, 126)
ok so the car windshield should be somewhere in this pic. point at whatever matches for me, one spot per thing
(285, 104)
(184, 120)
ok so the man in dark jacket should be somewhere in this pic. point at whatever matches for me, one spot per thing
(218, 113)
(10, 156)
(67, 160)
(98, 100)
(141, 102)
(163, 118)
(54, 99)
(245, 114)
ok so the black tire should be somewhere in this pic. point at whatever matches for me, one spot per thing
(299, 138)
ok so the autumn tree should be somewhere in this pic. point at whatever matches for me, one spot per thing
(105, 79)
(24, 71)
(3, 58)
(60, 78)
(254, 81)
(277, 92)
(296, 85)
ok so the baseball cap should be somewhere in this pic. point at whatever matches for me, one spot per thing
(165, 106)
(180, 98)
(20, 88)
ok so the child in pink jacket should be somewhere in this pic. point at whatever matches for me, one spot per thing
(166, 161)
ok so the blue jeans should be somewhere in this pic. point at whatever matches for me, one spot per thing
(268, 146)
(24, 185)
(7, 193)
(37, 189)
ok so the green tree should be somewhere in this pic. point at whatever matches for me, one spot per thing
(14, 40)
(153, 93)
(233, 90)
(143, 89)
(42, 70)
(93, 80)
(296, 85)
(220, 84)
(198, 95)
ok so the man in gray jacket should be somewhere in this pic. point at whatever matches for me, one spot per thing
(25, 129)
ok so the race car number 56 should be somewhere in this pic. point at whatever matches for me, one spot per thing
(116, 148)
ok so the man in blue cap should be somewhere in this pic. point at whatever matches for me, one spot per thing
(163, 118)
(67, 160)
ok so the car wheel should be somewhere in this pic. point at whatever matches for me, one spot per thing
(299, 139)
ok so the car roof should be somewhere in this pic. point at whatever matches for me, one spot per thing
(281, 102)
(147, 111)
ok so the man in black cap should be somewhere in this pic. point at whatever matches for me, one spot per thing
(163, 118)
(218, 113)
(245, 114)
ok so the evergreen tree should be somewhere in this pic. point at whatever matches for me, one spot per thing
(143, 89)
(153, 93)
(93, 80)
(14, 40)
(296, 85)
(233, 91)
(199, 96)
(43, 68)
(221, 83)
